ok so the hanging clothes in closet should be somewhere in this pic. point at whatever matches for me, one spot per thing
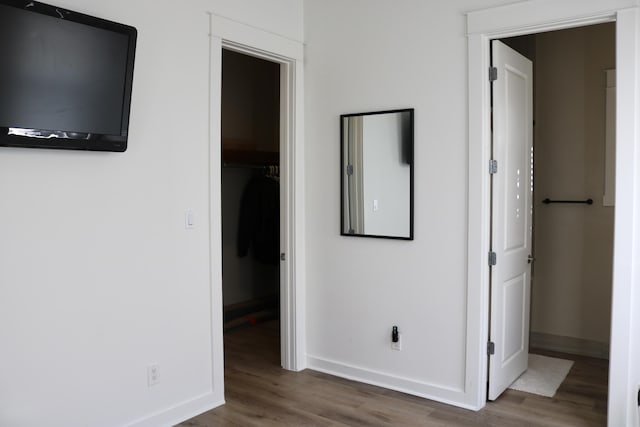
(259, 220)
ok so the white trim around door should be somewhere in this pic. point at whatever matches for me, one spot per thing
(527, 18)
(229, 34)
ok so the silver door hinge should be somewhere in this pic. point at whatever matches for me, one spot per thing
(493, 74)
(493, 258)
(491, 348)
(493, 166)
(349, 170)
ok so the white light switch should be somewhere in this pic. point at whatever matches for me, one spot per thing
(375, 205)
(189, 219)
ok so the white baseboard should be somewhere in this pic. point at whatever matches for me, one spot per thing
(569, 345)
(179, 413)
(450, 396)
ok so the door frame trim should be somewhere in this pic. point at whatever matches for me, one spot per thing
(229, 34)
(534, 17)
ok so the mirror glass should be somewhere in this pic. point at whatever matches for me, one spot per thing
(377, 174)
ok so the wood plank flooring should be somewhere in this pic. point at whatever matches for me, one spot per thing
(260, 393)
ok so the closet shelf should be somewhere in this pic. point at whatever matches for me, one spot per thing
(258, 158)
(242, 152)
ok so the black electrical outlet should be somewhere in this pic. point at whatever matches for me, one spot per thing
(394, 334)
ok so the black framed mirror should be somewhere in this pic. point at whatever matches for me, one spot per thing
(377, 174)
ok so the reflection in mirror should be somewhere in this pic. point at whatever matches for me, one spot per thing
(377, 174)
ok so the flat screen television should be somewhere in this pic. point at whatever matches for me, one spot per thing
(65, 78)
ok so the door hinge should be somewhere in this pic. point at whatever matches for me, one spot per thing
(493, 258)
(493, 166)
(493, 74)
(349, 170)
(491, 348)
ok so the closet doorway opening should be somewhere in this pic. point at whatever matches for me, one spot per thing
(251, 207)
(568, 315)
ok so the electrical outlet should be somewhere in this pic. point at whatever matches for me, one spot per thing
(153, 375)
(398, 344)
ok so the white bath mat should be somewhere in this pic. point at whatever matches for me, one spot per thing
(544, 375)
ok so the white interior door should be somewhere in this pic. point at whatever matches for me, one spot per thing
(511, 217)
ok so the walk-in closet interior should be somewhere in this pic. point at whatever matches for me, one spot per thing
(574, 85)
(250, 190)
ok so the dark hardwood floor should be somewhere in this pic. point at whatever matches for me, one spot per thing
(260, 393)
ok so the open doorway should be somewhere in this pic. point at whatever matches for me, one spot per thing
(250, 181)
(573, 209)
(526, 18)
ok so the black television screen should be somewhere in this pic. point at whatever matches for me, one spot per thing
(65, 78)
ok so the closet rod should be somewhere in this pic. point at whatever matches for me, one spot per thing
(585, 202)
(246, 165)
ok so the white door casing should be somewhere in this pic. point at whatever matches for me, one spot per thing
(233, 35)
(511, 217)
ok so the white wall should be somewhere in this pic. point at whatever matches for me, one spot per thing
(571, 290)
(281, 17)
(378, 55)
(98, 276)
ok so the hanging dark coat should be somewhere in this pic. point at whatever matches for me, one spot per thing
(259, 222)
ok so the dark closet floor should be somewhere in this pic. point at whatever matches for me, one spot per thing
(260, 393)
(250, 313)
